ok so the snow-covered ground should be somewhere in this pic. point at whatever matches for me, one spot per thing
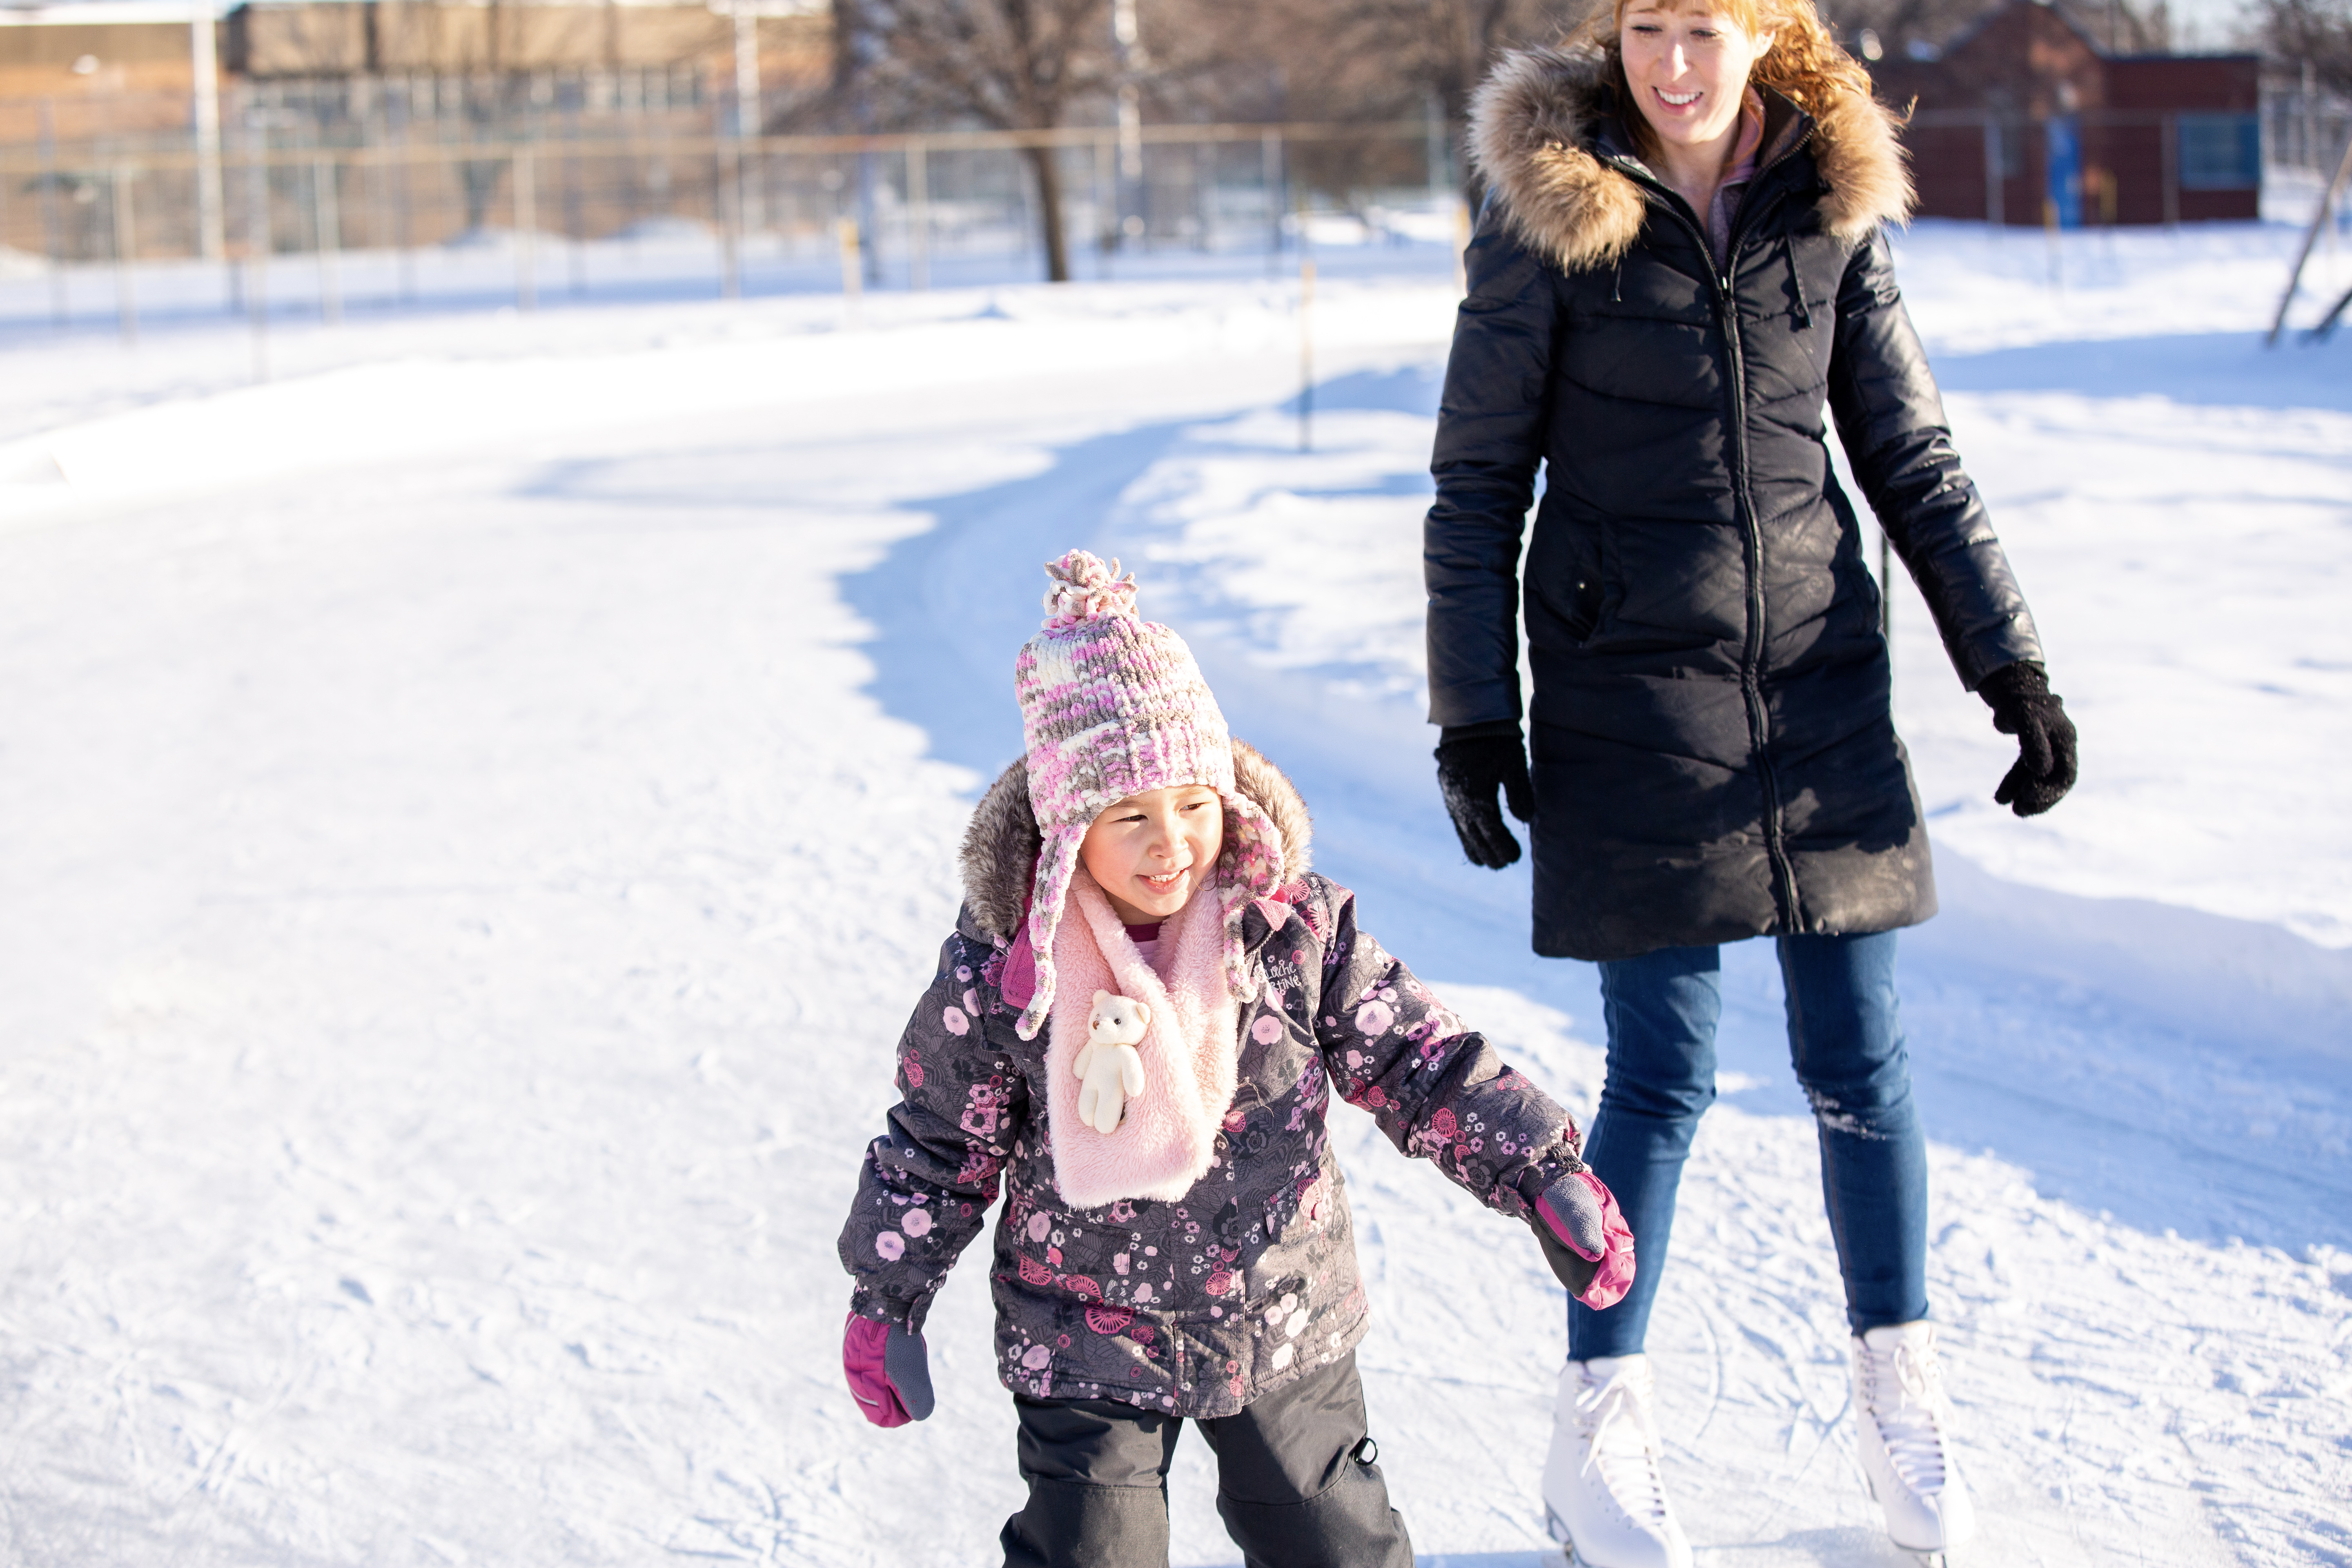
(475, 809)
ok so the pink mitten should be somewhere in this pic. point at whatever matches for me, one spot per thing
(1585, 1239)
(889, 1372)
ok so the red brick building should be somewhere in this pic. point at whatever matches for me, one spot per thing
(2023, 120)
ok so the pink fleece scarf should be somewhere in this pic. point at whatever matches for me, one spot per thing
(1191, 1051)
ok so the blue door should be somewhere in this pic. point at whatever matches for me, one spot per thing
(2062, 142)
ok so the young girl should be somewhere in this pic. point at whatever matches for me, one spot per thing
(1139, 1018)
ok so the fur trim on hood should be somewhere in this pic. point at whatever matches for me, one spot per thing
(1000, 846)
(1532, 125)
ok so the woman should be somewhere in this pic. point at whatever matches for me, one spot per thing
(1681, 261)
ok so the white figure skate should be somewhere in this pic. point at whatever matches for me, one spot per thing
(1904, 1444)
(1604, 1499)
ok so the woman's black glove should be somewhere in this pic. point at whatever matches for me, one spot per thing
(2024, 705)
(1469, 768)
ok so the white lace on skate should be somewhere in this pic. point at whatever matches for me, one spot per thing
(1613, 1419)
(1904, 1443)
(1604, 1498)
(1903, 1391)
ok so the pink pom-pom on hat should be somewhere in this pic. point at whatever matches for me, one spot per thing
(1084, 588)
(1113, 705)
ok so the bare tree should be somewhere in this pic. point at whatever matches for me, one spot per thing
(1910, 29)
(1011, 65)
(2319, 31)
(1345, 61)
(1922, 29)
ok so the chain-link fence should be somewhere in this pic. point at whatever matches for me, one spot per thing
(390, 185)
(2305, 128)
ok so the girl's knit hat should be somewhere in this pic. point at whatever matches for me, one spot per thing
(1113, 705)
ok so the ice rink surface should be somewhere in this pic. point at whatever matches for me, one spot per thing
(476, 809)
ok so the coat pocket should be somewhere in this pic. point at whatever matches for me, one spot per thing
(1299, 1210)
(1572, 583)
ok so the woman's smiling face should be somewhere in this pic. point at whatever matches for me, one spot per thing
(1153, 851)
(1687, 65)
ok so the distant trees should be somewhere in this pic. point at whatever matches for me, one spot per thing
(1902, 28)
(1008, 65)
(1922, 28)
(1377, 60)
(2319, 31)
(1362, 60)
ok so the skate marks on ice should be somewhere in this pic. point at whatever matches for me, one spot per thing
(2181, 1071)
(473, 920)
(2122, 1397)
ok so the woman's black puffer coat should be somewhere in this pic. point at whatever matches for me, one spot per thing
(1713, 752)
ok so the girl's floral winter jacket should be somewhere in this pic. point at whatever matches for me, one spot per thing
(1201, 1305)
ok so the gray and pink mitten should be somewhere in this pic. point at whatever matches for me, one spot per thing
(889, 1372)
(1585, 1238)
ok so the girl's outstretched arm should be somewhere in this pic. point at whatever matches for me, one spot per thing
(1437, 1090)
(924, 1190)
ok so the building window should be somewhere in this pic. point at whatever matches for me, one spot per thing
(2221, 151)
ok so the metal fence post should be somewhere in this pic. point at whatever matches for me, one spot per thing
(852, 266)
(727, 216)
(326, 221)
(575, 224)
(212, 235)
(1204, 191)
(1106, 200)
(526, 217)
(1439, 175)
(1995, 180)
(51, 228)
(126, 254)
(747, 111)
(402, 216)
(1269, 152)
(256, 261)
(919, 214)
(2168, 132)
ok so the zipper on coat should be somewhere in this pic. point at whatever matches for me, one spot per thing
(1751, 660)
(1751, 663)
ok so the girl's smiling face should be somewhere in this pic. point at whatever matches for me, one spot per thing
(1688, 65)
(1151, 852)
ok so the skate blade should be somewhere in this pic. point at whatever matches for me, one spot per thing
(1560, 1552)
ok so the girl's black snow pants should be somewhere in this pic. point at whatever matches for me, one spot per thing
(1296, 1486)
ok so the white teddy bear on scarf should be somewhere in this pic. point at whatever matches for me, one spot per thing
(1110, 1069)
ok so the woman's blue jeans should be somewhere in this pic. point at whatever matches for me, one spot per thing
(1661, 1011)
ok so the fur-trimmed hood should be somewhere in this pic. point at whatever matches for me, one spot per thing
(1000, 846)
(1533, 127)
